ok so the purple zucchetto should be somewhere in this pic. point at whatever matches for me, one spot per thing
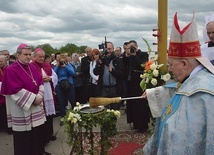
(23, 46)
(38, 49)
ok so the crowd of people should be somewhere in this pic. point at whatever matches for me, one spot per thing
(34, 83)
(41, 82)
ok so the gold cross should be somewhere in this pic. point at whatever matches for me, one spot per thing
(168, 109)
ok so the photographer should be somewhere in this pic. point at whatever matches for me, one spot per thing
(110, 70)
(133, 58)
(65, 72)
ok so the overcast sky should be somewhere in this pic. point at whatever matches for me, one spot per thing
(87, 22)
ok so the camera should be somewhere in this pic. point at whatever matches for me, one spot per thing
(104, 58)
(132, 49)
(101, 46)
(61, 63)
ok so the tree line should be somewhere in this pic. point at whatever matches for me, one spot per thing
(68, 48)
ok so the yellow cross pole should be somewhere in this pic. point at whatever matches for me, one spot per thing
(162, 33)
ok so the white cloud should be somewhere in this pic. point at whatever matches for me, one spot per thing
(87, 22)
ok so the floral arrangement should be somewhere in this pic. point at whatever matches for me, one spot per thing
(153, 76)
(76, 122)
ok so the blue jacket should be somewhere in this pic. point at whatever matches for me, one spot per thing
(65, 73)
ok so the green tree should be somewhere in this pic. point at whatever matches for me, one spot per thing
(68, 48)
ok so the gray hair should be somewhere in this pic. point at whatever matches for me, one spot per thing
(19, 51)
(74, 55)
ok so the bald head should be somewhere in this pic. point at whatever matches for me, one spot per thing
(210, 30)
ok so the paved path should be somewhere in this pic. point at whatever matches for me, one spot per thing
(59, 146)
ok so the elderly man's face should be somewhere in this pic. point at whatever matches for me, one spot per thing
(3, 61)
(6, 53)
(210, 30)
(39, 56)
(110, 49)
(88, 51)
(176, 66)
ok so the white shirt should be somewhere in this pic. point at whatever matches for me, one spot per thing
(94, 77)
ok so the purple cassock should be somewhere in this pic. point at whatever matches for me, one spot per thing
(26, 77)
(47, 67)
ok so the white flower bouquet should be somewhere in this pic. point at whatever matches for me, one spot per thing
(152, 75)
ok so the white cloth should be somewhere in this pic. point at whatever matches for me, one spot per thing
(153, 96)
(94, 77)
(207, 52)
(54, 63)
(48, 98)
(21, 114)
(54, 78)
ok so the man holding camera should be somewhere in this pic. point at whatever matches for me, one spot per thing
(65, 87)
(110, 70)
(133, 58)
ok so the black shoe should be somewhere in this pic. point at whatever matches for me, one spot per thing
(52, 138)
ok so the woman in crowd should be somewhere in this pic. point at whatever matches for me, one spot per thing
(65, 87)
(95, 57)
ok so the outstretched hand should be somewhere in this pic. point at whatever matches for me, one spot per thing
(144, 95)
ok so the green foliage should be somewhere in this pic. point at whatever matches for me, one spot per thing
(68, 48)
(75, 121)
(148, 46)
